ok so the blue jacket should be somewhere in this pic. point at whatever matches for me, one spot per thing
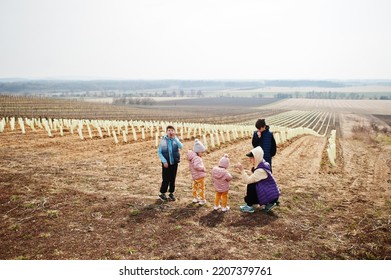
(266, 142)
(168, 150)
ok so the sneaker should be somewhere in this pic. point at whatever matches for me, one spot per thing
(172, 196)
(195, 200)
(216, 207)
(243, 206)
(269, 206)
(247, 209)
(202, 202)
(225, 209)
(163, 197)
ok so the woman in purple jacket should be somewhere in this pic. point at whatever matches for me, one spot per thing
(262, 189)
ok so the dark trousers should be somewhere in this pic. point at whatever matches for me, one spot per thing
(168, 176)
(251, 195)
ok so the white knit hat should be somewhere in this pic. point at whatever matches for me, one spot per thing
(224, 161)
(198, 146)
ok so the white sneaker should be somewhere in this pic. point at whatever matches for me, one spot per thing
(225, 209)
(195, 200)
(202, 202)
(216, 207)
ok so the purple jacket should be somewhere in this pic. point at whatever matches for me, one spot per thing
(267, 189)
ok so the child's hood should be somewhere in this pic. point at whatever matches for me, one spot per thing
(191, 155)
(218, 172)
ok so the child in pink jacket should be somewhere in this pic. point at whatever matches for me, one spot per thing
(198, 172)
(221, 178)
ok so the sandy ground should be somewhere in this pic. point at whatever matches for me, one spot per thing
(63, 198)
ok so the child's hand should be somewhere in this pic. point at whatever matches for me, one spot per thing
(239, 166)
(171, 133)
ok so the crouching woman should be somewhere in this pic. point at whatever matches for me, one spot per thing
(262, 189)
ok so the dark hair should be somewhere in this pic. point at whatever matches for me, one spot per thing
(250, 154)
(170, 127)
(260, 123)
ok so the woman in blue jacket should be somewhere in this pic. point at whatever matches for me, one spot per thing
(264, 138)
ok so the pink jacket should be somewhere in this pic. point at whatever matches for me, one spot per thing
(196, 165)
(221, 178)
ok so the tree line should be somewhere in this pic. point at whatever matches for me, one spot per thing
(333, 95)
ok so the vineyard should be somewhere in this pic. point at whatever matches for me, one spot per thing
(80, 180)
(206, 111)
(380, 107)
(285, 127)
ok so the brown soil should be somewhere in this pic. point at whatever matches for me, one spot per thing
(63, 198)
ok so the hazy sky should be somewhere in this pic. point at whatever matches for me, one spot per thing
(196, 39)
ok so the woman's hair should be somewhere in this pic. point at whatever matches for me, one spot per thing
(260, 123)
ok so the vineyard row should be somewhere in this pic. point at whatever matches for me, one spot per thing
(152, 130)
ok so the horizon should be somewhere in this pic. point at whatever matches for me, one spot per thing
(92, 79)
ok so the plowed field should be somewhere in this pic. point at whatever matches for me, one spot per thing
(63, 198)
